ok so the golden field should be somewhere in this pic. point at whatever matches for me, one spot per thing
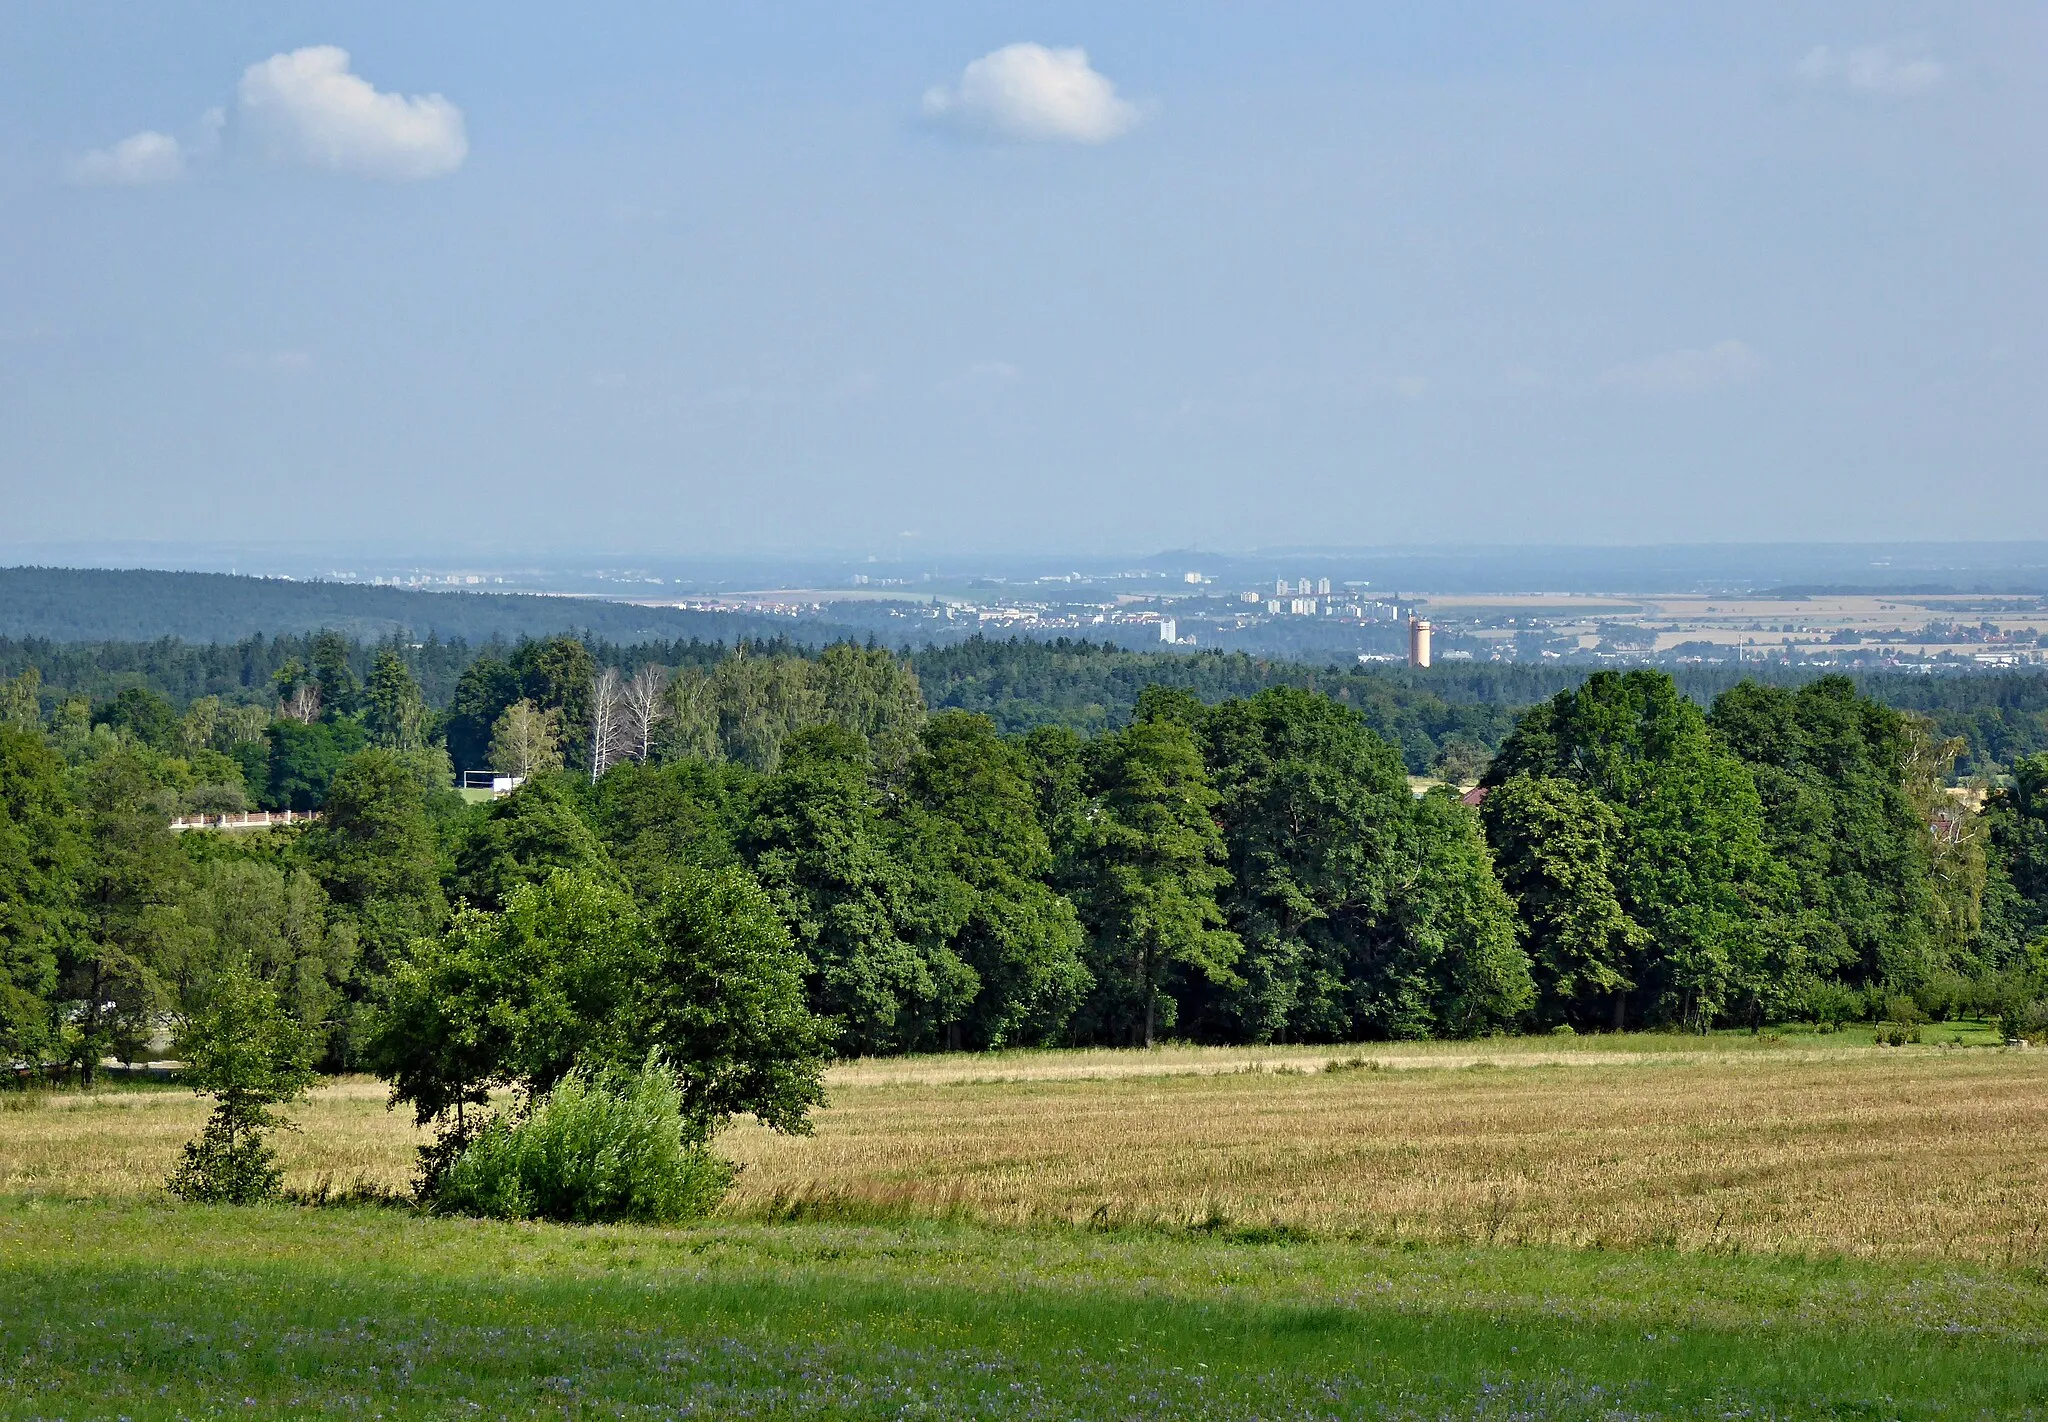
(1607, 1142)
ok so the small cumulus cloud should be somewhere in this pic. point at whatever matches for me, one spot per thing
(1724, 365)
(1879, 70)
(137, 160)
(1026, 93)
(307, 107)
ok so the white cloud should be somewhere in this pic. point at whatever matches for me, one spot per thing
(1026, 93)
(306, 107)
(146, 157)
(1873, 69)
(1721, 366)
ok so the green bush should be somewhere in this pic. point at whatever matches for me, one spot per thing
(230, 1164)
(604, 1147)
(1903, 1011)
(2023, 1020)
(1945, 996)
(244, 1050)
(1829, 1004)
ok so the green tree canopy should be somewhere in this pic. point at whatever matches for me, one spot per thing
(243, 1049)
(487, 687)
(305, 758)
(555, 674)
(504, 999)
(718, 991)
(393, 710)
(1695, 872)
(572, 975)
(374, 853)
(1443, 960)
(652, 818)
(880, 955)
(2018, 816)
(1154, 866)
(523, 839)
(144, 715)
(1831, 768)
(272, 919)
(1557, 848)
(1315, 811)
(130, 880)
(340, 692)
(39, 862)
(970, 816)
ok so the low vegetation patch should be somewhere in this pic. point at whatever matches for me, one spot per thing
(151, 1312)
(598, 1147)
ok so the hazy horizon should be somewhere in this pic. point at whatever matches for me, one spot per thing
(922, 281)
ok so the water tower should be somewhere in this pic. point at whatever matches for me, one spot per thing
(1418, 642)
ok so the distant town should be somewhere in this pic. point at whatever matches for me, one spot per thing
(1322, 614)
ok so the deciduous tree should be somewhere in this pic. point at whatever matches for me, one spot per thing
(1155, 866)
(525, 741)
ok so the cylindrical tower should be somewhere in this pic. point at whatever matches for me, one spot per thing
(1418, 642)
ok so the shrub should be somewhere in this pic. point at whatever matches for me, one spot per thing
(1896, 1034)
(1829, 1004)
(1903, 1011)
(599, 1147)
(1946, 996)
(2023, 1020)
(243, 1050)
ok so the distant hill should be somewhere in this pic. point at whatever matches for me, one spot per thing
(140, 605)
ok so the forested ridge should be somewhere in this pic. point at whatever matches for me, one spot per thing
(111, 604)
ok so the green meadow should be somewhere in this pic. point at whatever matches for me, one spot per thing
(143, 1310)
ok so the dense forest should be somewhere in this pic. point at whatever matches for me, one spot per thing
(1445, 719)
(1228, 861)
(102, 604)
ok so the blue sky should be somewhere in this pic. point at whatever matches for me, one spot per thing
(683, 279)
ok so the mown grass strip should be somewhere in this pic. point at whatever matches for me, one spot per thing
(157, 1312)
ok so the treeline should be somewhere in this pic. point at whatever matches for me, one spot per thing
(1444, 721)
(1252, 870)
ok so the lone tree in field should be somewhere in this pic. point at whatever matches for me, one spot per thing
(246, 1052)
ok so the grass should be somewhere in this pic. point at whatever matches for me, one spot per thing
(141, 1310)
(1798, 1146)
(1609, 1227)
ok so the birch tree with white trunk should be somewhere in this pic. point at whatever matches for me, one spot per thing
(644, 705)
(607, 710)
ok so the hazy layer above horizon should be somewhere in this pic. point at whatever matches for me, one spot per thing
(719, 280)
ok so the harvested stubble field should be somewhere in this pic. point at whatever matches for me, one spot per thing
(1730, 1144)
(1426, 1192)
